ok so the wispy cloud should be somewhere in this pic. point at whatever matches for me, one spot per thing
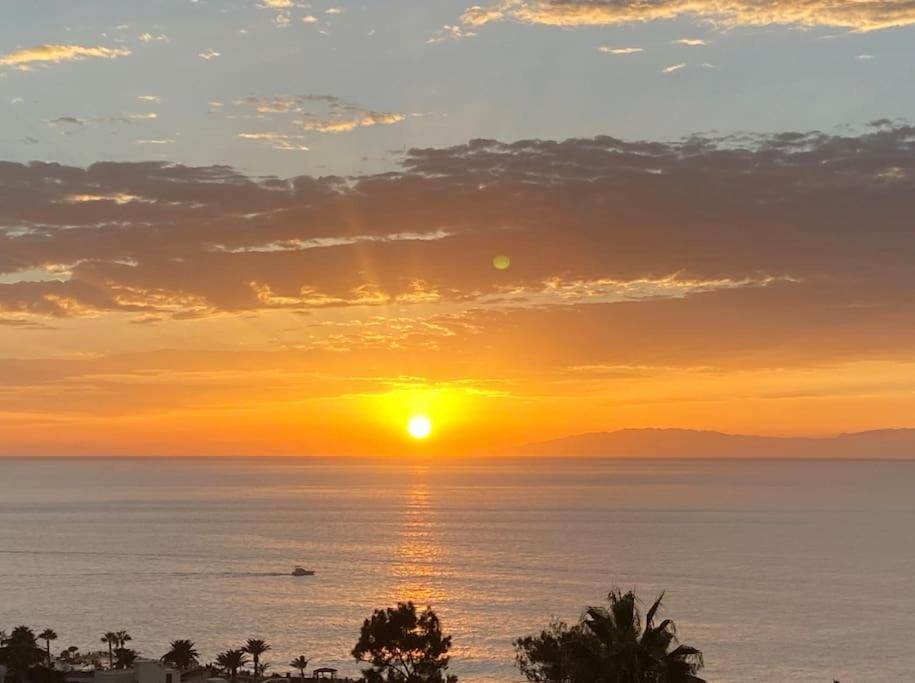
(673, 67)
(122, 118)
(66, 121)
(619, 50)
(322, 113)
(344, 125)
(209, 54)
(861, 15)
(153, 38)
(277, 140)
(154, 99)
(690, 42)
(54, 54)
(450, 32)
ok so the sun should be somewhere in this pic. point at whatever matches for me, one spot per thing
(419, 426)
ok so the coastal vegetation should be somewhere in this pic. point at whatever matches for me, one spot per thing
(256, 647)
(20, 652)
(610, 643)
(47, 636)
(300, 663)
(231, 661)
(401, 644)
(182, 654)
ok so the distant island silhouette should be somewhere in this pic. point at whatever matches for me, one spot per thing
(688, 443)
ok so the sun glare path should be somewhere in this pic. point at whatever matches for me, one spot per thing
(419, 426)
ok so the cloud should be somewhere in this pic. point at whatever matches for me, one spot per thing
(151, 38)
(697, 275)
(276, 140)
(690, 42)
(321, 113)
(861, 15)
(54, 54)
(619, 50)
(155, 99)
(672, 68)
(67, 121)
(122, 118)
(449, 32)
(345, 125)
(209, 54)
(747, 250)
(289, 103)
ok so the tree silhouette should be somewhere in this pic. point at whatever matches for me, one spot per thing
(300, 663)
(20, 652)
(111, 639)
(122, 638)
(404, 646)
(231, 661)
(256, 647)
(609, 645)
(182, 654)
(124, 658)
(47, 636)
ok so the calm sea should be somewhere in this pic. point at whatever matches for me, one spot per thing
(778, 571)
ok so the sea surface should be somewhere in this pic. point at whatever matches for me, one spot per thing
(776, 570)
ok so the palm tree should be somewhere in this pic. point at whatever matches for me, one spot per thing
(47, 636)
(609, 645)
(231, 661)
(182, 653)
(300, 663)
(111, 638)
(256, 647)
(644, 654)
(123, 638)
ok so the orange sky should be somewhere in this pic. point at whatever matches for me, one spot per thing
(765, 290)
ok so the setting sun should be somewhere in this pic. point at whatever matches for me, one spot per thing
(419, 426)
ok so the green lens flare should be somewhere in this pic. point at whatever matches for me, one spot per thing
(501, 262)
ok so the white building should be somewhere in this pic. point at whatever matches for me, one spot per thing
(143, 671)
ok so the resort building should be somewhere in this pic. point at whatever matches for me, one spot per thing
(143, 671)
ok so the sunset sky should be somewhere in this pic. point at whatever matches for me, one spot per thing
(280, 227)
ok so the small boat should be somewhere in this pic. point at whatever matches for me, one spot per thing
(300, 571)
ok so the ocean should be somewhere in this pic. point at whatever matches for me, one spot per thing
(776, 570)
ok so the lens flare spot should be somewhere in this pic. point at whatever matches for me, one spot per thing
(501, 262)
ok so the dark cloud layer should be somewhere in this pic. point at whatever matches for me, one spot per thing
(814, 218)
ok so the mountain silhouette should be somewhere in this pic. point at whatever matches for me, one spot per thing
(687, 443)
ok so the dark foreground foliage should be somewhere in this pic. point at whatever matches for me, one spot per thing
(609, 645)
(404, 646)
